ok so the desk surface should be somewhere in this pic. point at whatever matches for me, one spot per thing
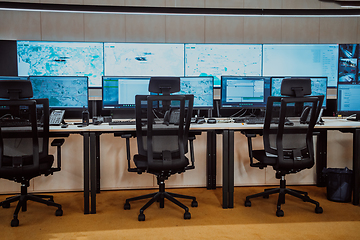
(329, 123)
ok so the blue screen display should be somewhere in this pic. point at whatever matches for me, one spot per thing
(63, 92)
(318, 86)
(244, 92)
(120, 92)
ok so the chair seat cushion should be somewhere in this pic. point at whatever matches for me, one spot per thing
(175, 165)
(27, 171)
(264, 159)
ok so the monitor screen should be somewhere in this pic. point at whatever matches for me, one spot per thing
(348, 99)
(223, 59)
(244, 92)
(301, 60)
(120, 92)
(143, 59)
(63, 92)
(202, 89)
(42, 58)
(318, 86)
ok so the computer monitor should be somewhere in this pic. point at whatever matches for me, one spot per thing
(244, 92)
(144, 59)
(202, 88)
(47, 58)
(348, 99)
(318, 86)
(119, 92)
(302, 60)
(63, 92)
(223, 59)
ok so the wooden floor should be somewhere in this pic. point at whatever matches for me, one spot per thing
(208, 221)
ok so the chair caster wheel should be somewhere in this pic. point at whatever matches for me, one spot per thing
(59, 212)
(15, 222)
(247, 203)
(141, 217)
(280, 213)
(127, 206)
(6, 205)
(319, 210)
(194, 203)
(187, 215)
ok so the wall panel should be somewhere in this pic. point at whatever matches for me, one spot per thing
(104, 27)
(20, 25)
(62, 26)
(185, 29)
(338, 30)
(300, 30)
(145, 28)
(224, 29)
(262, 30)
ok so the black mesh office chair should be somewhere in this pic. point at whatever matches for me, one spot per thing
(24, 143)
(162, 142)
(288, 148)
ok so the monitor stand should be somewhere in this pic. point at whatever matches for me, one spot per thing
(354, 117)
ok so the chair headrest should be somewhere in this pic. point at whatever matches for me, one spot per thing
(296, 87)
(164, 85)
(15, 89)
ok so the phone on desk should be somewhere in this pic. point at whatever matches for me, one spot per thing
(172, 116)
(56, 117)
(305, 116)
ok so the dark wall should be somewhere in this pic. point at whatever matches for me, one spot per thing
(8, 58)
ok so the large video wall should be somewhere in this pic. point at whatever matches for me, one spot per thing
(165, 59)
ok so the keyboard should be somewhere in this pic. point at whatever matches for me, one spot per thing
(15, 123)
(260, 120)
(122, 123)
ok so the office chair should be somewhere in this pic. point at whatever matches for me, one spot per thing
(24, 139)
(162, 142)
(287, 148)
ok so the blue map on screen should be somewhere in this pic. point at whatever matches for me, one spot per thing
(40, 58)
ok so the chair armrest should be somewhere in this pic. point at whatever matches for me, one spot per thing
(192, 157)
(249, 138)
(127, 137)
(58, 143)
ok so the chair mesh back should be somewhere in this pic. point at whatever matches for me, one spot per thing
(291, 141)
(166, 130)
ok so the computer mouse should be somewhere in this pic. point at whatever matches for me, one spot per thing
(200, 121)
(211, 120)
(64, 126)
(97, 122)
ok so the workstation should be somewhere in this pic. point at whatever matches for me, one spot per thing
(215, 140)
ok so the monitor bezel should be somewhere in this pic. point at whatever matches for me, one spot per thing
(72, 108)
(120, 108)
(261, 106)
(296, 77)
(212, 93)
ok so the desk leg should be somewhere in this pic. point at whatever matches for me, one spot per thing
(321, 158)
(211, 160)
(356, 166)
(225, 184)
(93, 171)
(86, 172)
(97, 163)
(228, 169)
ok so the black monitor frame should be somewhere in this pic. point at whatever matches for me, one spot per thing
(245, 105)
(293, 77)
(67, 108)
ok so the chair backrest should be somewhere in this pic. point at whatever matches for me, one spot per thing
(164, 136)
(23, 140)
(292, 142)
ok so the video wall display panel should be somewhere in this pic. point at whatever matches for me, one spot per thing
(301, 60)
(223, 59)
(42, 58)
(143, 59)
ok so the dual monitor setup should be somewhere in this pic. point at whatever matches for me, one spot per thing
(237, 92)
